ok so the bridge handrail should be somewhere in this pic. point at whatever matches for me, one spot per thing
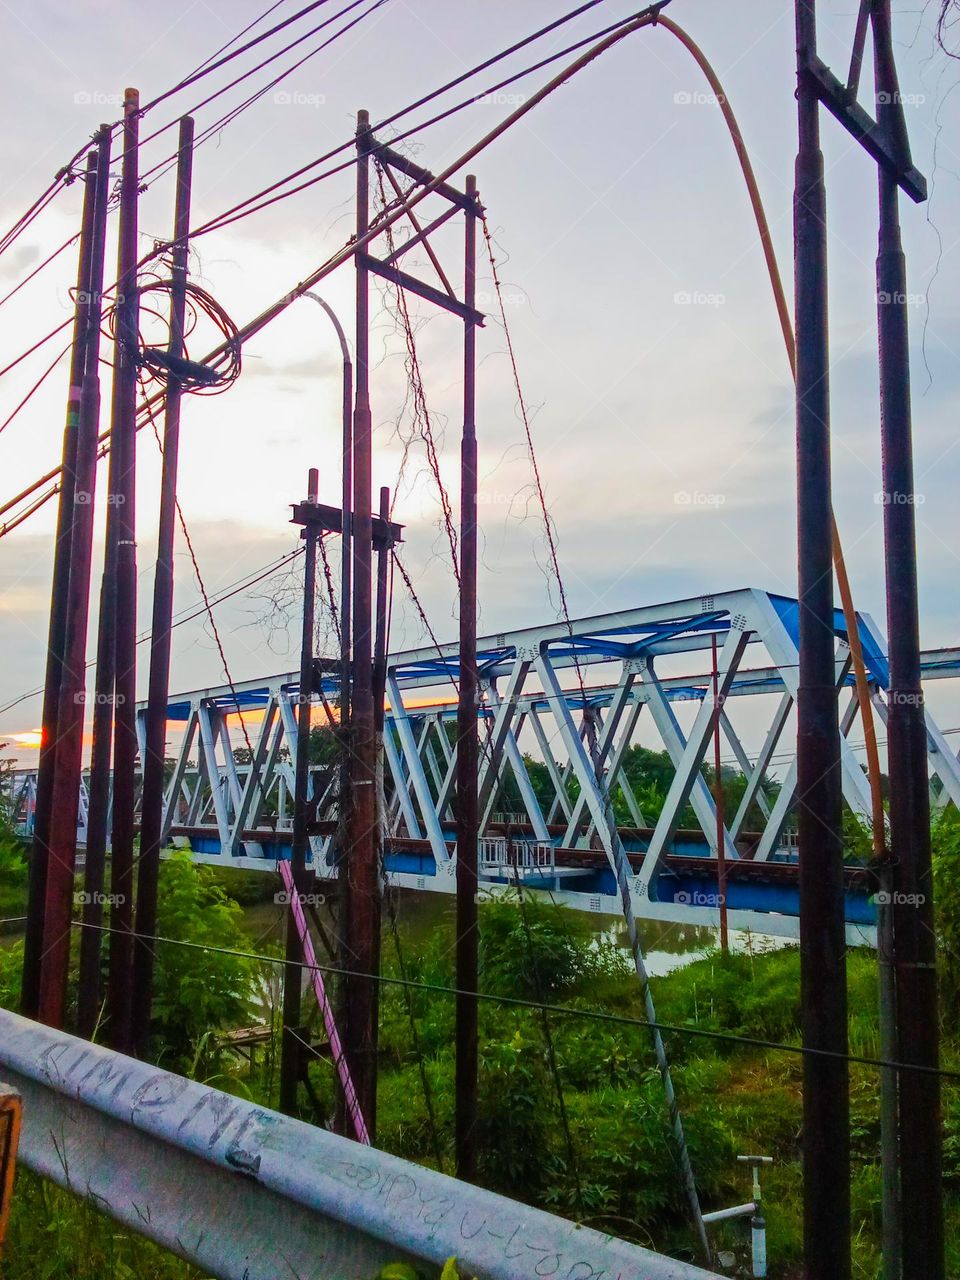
(242, 1191)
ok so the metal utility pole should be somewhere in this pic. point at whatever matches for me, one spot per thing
(151, 805)
(383, 607)
(915, 954)
(47, 948)
(363, 922)
(380, 640)
(40, 853)
(826, 1107)
(346, 551)
(345, 766)
(123, 444)
(291, 1055)
(718, 804)
(101, 781)
(467, 745)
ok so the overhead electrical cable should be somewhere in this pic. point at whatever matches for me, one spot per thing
(190, 612)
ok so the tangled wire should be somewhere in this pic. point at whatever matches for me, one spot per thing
(156, 363)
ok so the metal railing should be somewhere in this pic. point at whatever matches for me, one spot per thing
(243, 1192)
(497, 854)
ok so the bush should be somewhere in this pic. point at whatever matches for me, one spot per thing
(946, 873)
(541, 949)
(738, 993)
(197, 993)
(11, 969)
(13, 872)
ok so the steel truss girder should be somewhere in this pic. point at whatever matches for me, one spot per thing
(230, 801)
(688, 780)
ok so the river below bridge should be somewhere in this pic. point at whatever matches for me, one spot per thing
(419, 915)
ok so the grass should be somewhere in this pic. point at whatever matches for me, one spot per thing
(53, 1235)
(616, 1169)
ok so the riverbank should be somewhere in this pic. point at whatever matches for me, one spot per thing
(572, 1116)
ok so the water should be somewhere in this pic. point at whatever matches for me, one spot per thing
(420, 915)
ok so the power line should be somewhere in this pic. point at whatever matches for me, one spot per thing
(239, 211)
(343, 254)
(211, 129)
(562, 1010)
(65, 175)
(190, 613)
(36, 271)
(239, 36)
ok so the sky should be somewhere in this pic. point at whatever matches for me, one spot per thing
(642, 321)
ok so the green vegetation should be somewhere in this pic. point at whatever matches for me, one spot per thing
(610, 1164)
(198, 993)
(55, 1236)
(13, 873)
(649, 774)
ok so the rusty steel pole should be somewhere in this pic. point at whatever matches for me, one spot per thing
(291, 1049)
(56, 635)
(345, 762)
(151, 802)
(52, 880)
(468, 828)
(718, 805)
(88, 986)
(380, 639)
(123, 440)
(343, 880)
(346, 418)
(89, 994)
(826, 1113)
(383, 603)
(363, 922)
(915, 943)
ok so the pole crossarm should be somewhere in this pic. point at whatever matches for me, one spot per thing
(861, 126)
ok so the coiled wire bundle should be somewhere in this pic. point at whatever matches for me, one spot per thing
(157, 364)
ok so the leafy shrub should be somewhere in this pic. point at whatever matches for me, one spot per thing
(543, 949)
(946, 871)
(13, 872)
(197, 993)
(11, 969)
(514, 1116)
(735, 993)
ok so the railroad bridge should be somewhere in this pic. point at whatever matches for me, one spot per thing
(576, 698)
